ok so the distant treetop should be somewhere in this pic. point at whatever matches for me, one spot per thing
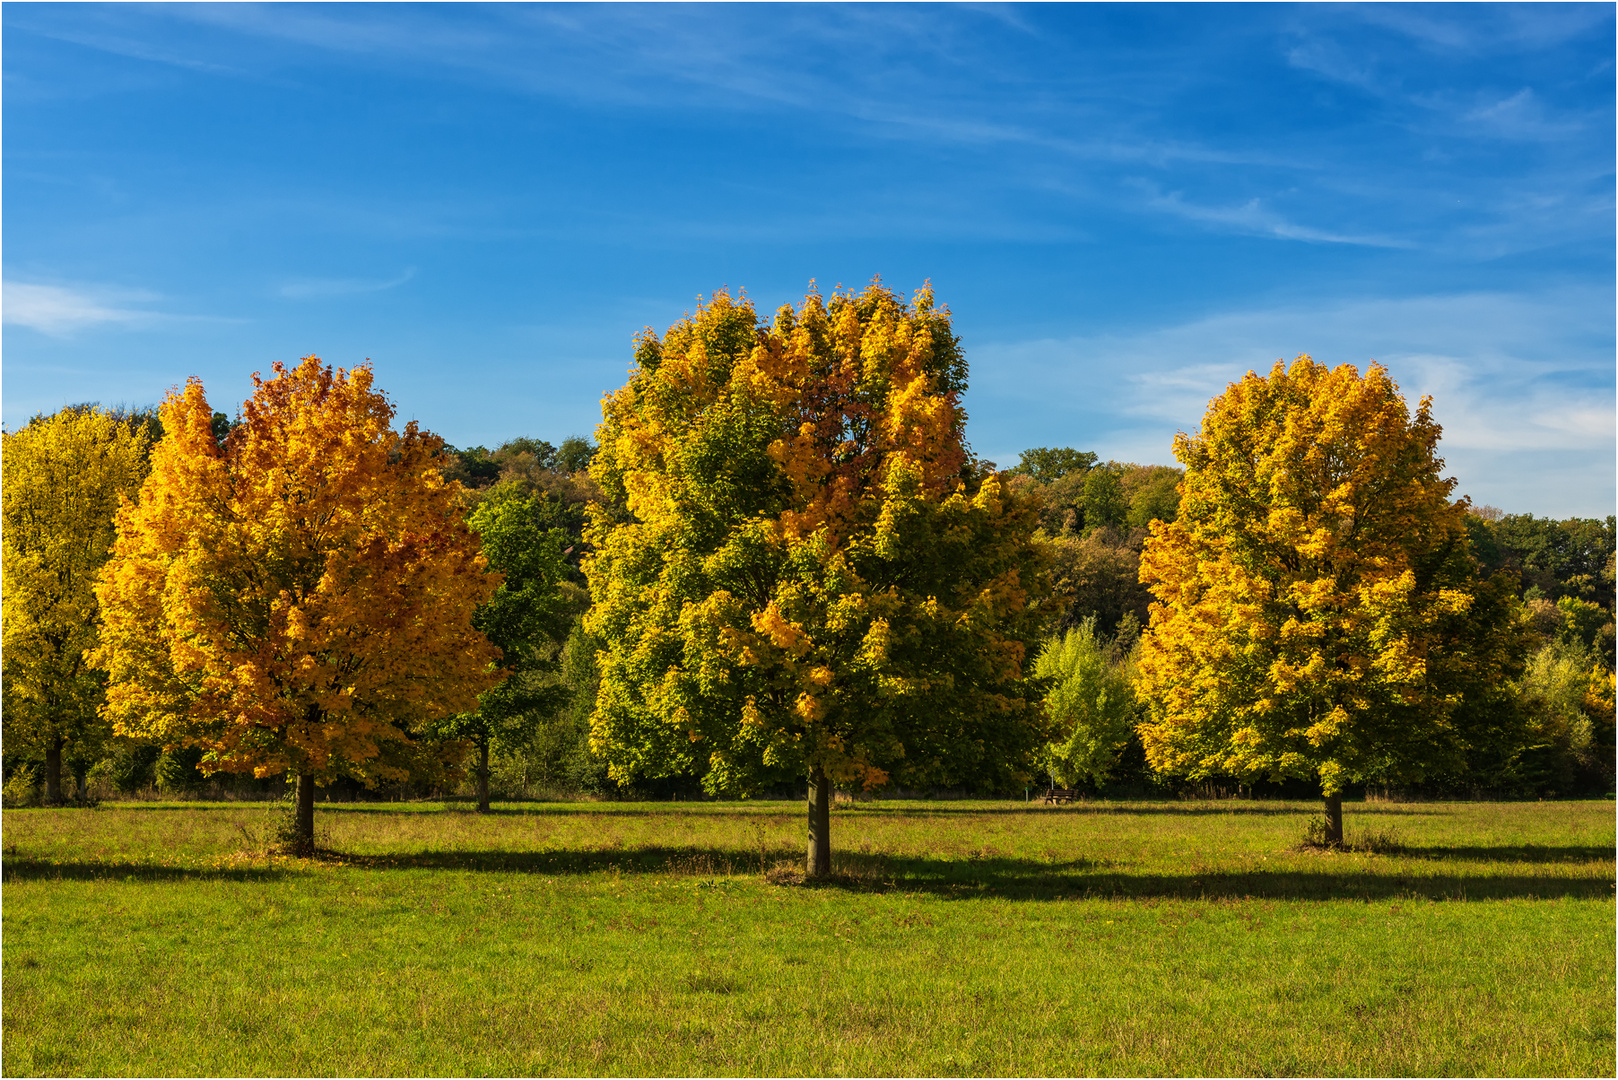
(1047, 463)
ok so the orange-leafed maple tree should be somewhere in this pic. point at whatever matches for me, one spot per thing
(299, 599)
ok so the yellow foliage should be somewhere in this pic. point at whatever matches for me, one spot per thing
(1314, 599)
(63, 478)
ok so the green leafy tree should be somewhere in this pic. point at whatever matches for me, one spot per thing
(799, 571)
(63, 477)
(1562, 732)
(532, 467)
(1105, 505)
(1045, 464)
(1091, 703)
(528, 618)
(575, 454)
(1573, 557)
(1582, 621)
(1152, 492)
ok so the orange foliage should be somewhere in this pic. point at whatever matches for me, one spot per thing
(299, 600)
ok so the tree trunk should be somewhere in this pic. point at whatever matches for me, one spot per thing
(303, 821)
(53, 772)
(819, 824)
(1334, 820)
(81, 789)
(483, 777)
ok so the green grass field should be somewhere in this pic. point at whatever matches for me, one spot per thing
(957, 938)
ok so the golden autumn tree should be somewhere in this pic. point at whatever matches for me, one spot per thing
(800, 571)
(298, 600)
(1318, 613)
(63, 477)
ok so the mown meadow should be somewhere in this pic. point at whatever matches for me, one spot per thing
(680, 938)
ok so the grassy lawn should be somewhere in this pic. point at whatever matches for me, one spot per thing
(958, 938)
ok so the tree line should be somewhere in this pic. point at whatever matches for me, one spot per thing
(783, 568)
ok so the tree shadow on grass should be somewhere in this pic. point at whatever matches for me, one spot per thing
(1303, 808)
(16, 868)
(751, 810)
(1511, 853)
(1330, 877)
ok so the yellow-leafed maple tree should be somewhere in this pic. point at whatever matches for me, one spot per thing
(299, 599)
(1318, 612)
(63, 478)
(800, 572)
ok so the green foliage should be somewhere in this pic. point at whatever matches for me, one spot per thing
(575, 454)
(534, 460)
(1581, 621)
(128, 767)
(1153, 494)
(1574, 557)
(580, 769)
(1091, 704)
(175, 771)
(1562, 731)
(528, 617)
(472, 467)
(1098, 577)
(1047, 463)
(1079, 496)
(798, 568)
(1104, 503)
(22, 787)
(220, 425)
(556, 756)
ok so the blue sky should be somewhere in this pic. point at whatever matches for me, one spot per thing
(1125, 207)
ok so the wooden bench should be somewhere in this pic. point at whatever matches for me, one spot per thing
(1061, 795)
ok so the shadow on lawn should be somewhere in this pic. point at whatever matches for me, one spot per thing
(1304, 808)
(916, 809)
(1525, 853)
(1327, 877)
(17, 868)
(753, 810)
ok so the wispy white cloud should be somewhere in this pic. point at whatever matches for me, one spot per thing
(323, 288)
(1493, 28)
(1521, 116)
(1255, 219)
(1326, 58)
(873, 66)
(59, 311)
(134, 47)
(1442, 109)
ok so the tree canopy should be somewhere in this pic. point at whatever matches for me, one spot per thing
(63, 478)
(1318, 612)
(298, 600)
(799, 569)
(1045, 464)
